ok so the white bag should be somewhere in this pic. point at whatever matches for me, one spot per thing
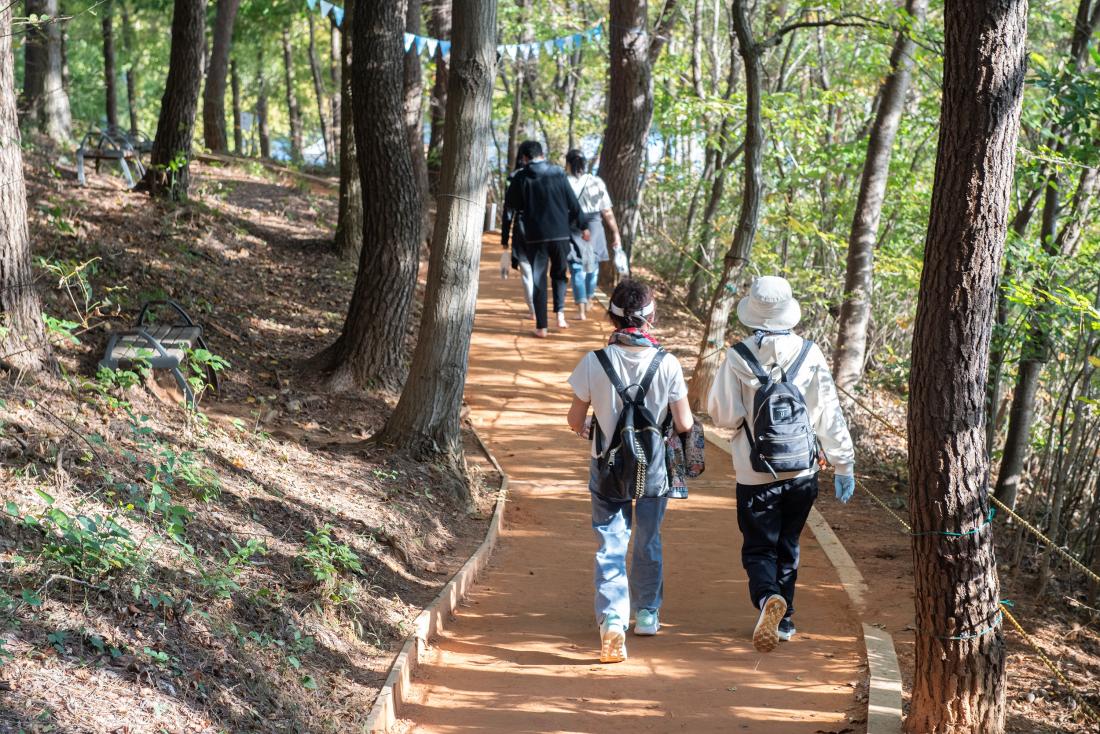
(505, 264)
(620, 261)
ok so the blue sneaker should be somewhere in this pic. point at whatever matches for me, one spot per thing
(612, 640)
(646, 623)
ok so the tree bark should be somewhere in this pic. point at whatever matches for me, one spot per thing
(349, 219)
(319, 91)
(110, 87)
(427, 419)
(855, 311)
(213, 100)
(414, 93)
(335, 75)
(294, 113)
(959, 683)
(370, 351)
(439, 26)
(23, 344)
(261, 105)
(634, 50)
(169, 170)
(45, 95)
(235, 86)
(131, 77)
(714, 339)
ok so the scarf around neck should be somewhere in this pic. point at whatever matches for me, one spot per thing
(632, 337)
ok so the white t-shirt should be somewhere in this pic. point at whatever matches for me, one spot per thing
(590, 383)
(591, 192)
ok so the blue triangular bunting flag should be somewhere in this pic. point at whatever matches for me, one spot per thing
(532, 51)
(500, 50)
(511, 49)
(420, 42)
(325, 8)
(445, 48)
(338, 15)
(409, 38)
(311, 4)
(548, 46)
(578, 39)
(431, 44)
(597, 32)
(559, 43)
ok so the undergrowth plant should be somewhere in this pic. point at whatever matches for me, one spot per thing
(328, 560)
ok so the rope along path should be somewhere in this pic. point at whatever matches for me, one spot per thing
(1003, 611)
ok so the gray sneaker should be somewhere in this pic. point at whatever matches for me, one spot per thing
(766, 634)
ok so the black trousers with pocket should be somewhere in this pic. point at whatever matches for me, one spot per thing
(771, 518)
(548, 258)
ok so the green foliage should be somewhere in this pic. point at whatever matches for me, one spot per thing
(328, 560)
(200, 363)
(222, 581)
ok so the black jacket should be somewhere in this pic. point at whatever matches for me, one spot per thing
(548, 205)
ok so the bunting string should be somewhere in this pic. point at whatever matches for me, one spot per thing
(514, 51)
(327, 9)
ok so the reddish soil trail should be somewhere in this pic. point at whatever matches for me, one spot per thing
(522, 655)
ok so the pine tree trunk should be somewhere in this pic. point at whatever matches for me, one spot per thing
(371, 349)
(261, 105)
(427, 418)
(45, 95)
(349, 220)
(958, 684)
(439, 26)
(855, 311)
(213, 99)
(414, 93)
(294, 113)
(319, 90)
(235, 86)
(335, 75)
(176, 124)
(714, 339)
(23, 343)
(131, 77)
(110, 87)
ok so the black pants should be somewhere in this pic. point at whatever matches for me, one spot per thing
(771, 517)
(554, 254)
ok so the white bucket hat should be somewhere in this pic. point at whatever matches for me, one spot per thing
(770, 305)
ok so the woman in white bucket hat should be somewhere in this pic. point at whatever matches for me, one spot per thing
(775, 390)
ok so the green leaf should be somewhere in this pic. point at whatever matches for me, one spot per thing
(309, 683)
(46, 497)
(12, 509)
(294, 662)
(30, 598)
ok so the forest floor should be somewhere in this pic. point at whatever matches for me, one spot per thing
(255, 617)
(254, 567)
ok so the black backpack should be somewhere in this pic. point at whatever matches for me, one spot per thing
(782, 438)
(633, 464)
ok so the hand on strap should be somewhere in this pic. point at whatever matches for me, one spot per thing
(845, 486)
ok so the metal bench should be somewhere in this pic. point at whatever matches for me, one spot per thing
(161, 346)
(109, 145)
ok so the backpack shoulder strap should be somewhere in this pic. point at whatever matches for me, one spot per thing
(651, 371)
(616, 383)
(797, 364)
(753, 362)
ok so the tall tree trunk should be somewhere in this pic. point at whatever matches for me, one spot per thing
(45, 95)
(319, 91)
(235, 86)
(334, 71)
(110, 86)
(131, 77)
(23, 344)
(172, 144)
(427, 419)
(294, 113)
(261, 106)
(414, 94)
(439, 26)
(370, 351)
(213, 99)
(714, 339)
(349, 219)
(958, 683)
(855, 311)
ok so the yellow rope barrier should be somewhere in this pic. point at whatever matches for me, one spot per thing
(1089, 711)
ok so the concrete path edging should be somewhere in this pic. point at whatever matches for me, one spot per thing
(386, 709)
(884, 685)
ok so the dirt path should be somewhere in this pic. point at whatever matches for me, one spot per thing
(522, 656)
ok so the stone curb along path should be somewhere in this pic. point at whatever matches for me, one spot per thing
(884, 709)
(386, 709)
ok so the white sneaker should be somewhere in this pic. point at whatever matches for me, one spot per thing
(646, 622)
(766, 634)
(612, 640)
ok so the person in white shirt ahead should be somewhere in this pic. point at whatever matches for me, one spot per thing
(630, 351)
(772, 507)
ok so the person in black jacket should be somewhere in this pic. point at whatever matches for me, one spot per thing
(511, 227)
(542, 195)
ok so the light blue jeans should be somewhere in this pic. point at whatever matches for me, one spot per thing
(584, 284)
(613, 521)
